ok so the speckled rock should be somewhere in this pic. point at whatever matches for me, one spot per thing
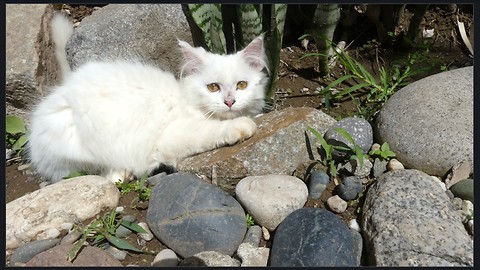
(278, 147)
(210, 259)
(408, 220)
(322, 240)
(350, 187)
(73, 200)
(190, 216)
(360, 130)
(429, 123)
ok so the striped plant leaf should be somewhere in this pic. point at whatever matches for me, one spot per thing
(208, 17)
(250, 21)
(280, 15)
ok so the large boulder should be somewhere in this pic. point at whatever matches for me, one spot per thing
(408, 220)
(30, 65)
(281, 144)
(429, 123)
(68, 201)
(131, 31)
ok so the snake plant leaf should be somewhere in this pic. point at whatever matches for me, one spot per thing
(250, 22)
(208, 17)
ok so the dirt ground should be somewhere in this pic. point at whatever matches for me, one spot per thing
(297, 83)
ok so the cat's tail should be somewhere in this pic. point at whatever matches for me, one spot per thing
(62, 30)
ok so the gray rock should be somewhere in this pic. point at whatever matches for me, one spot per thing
(278, 147)
(190, 216)
(353, 167)
(360, 130)
(76, 199)
(463, 189)
(117, 253)
(270, 198)
(429, 123)
(317, 182)
(358, 245)
(337, 204)
(210, 259)
(30, 65)
(379, 167)
(131, 31)
(350, 187)
(26, 252)
(88, 256)
(394, 165)
(253, 236)
(322, 240)
(71, 237)
(253, 255)
(408, 220)
(165, 258)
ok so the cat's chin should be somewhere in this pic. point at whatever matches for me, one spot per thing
(230, 114)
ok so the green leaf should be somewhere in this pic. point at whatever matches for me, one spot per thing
(385, 147)
(208, 17)
(132, 226)
(359, 154)
(345, 134)
(325, 145)
(73, 252)
(14, 124)
(351, 89)
(20, 142)
(335, 83)
(121, 244)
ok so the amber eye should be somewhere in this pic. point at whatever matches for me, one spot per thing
(241, 85)
(213, 87)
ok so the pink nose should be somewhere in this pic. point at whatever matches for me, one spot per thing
(229, 103)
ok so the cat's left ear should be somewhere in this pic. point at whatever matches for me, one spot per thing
(193, 57)
(254, 53)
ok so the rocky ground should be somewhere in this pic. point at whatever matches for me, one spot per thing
(297, 84)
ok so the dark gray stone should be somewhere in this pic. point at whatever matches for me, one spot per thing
(317, 182)
(358, 245)
(429, 123)
(254, 234)
(360, 130)
(312, 237)
(463, 189)
(190, 215)
(24, 253)
(350, 187)
(123, 231)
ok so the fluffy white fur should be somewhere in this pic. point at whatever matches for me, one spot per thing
(116, 118)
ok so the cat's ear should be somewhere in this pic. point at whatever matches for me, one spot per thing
(193, 57)
(254, 54)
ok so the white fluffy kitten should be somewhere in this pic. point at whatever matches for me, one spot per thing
(117, 118)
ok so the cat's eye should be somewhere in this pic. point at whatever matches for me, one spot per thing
(213, 87)
(241, 85)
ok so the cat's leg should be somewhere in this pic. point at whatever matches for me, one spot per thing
(119, 176)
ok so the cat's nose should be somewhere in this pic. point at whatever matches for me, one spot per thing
(229, 103)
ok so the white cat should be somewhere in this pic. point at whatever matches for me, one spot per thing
(117, 118)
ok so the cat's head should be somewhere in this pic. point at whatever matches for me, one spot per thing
(225, 86)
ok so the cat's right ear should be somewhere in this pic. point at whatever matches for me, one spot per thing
(193, 57)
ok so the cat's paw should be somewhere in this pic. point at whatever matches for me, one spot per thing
(120, 176)
(240, 129)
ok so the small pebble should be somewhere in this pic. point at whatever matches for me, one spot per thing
(48, 234)
(457, 203)
(265, 233)
(353, 224)
(165, 258)
(148, 235)
(467, 210)
(375, 147)
(117, 253)
(470, 226)
(71, 237)
(8, 154)
(379, 167)
(119, 209)
(337, 204)
(24, 167)
(66, 226)
(253, 236)
(350, 187)
(395, 165)
(317, 182)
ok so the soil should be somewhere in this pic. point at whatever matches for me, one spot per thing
(298, 80)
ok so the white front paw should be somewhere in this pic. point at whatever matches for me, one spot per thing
(241, 128)
(120, 176)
